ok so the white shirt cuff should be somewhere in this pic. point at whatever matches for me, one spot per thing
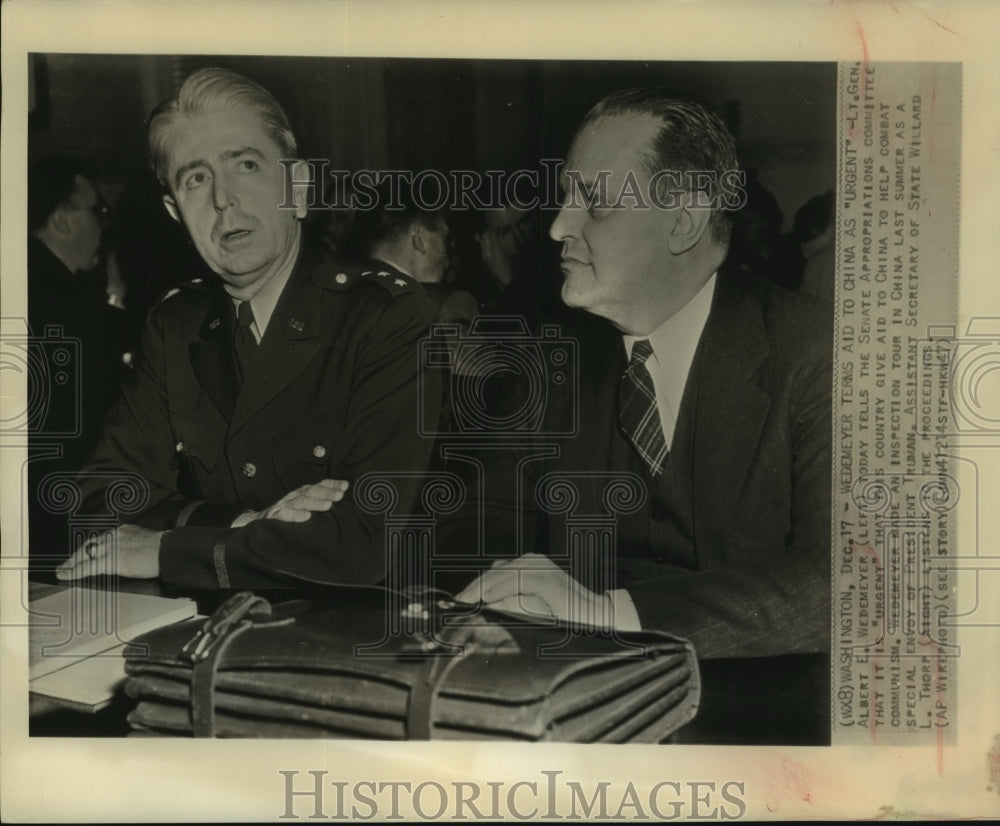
(244, 518)
(625, 617)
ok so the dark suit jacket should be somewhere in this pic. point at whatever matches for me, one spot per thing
(332, 393)
(69, 316)
(77, 305)
(731, 548)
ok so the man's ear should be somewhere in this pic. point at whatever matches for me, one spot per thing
(690, 224)
(418, 237)
(59, 222)
(171, 206)
(301, 174)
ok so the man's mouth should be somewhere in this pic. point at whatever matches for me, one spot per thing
(233, 236)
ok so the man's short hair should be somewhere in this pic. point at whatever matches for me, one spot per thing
(215, 88)
(52, 183)
(395, 212)
(692, 138)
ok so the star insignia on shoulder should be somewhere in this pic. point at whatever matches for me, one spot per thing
(400, 282)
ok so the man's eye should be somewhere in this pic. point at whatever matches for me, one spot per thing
(597, 207)
(194, 180)
(247, 165)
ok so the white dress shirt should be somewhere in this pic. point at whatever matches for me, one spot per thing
(674, 343)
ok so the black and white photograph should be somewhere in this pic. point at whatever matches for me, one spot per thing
(482, 433)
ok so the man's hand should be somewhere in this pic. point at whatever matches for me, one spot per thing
(128, 551)
(300, 504)
(532, 584)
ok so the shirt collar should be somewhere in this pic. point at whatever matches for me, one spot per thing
(679, 334)
(396, 266)
(674, 344)
(266, 299)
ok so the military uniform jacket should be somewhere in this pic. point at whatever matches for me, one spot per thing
(332, 393)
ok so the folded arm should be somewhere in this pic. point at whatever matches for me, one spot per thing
(209, 544)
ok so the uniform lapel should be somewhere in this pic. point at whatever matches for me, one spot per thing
(212, 355)
(289, 343)
(731, 408)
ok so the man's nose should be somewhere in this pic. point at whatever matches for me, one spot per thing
(567, 222)
(223, 192)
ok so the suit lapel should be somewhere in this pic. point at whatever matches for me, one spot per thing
(602, 360)
(212, 356)
(588, 458)
(731, 408)
(290, 341)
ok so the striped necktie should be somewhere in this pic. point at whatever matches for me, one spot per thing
(637, 411)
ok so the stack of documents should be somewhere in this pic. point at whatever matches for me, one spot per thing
(77, 636)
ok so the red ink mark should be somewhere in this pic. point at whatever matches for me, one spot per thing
(940, 752)
(937, 23)
(787, 781)
(930, 139)
(939, 703)
(868, 550)
(994, 758)
(864, 45)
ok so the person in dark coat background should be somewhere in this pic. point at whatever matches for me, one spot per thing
(77, 345)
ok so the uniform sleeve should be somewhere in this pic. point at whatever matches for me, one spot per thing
(778, 603)
(133, 468)
(344, 544)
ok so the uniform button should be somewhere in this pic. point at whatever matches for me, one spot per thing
(249, 470)
(340, 278)
(319, 451)
(179, 447)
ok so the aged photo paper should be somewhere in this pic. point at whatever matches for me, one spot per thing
(907, 149)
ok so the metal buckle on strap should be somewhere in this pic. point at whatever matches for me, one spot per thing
(232, 613)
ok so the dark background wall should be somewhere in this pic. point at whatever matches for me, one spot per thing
(414, 114)
(442, 114)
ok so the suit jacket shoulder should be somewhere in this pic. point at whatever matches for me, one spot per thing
(789, 317)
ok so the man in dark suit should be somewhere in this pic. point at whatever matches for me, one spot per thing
(66, 220)
(706, 394)
(66, 305)
(261, 382)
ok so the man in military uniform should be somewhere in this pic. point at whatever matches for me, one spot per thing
(260, 385)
